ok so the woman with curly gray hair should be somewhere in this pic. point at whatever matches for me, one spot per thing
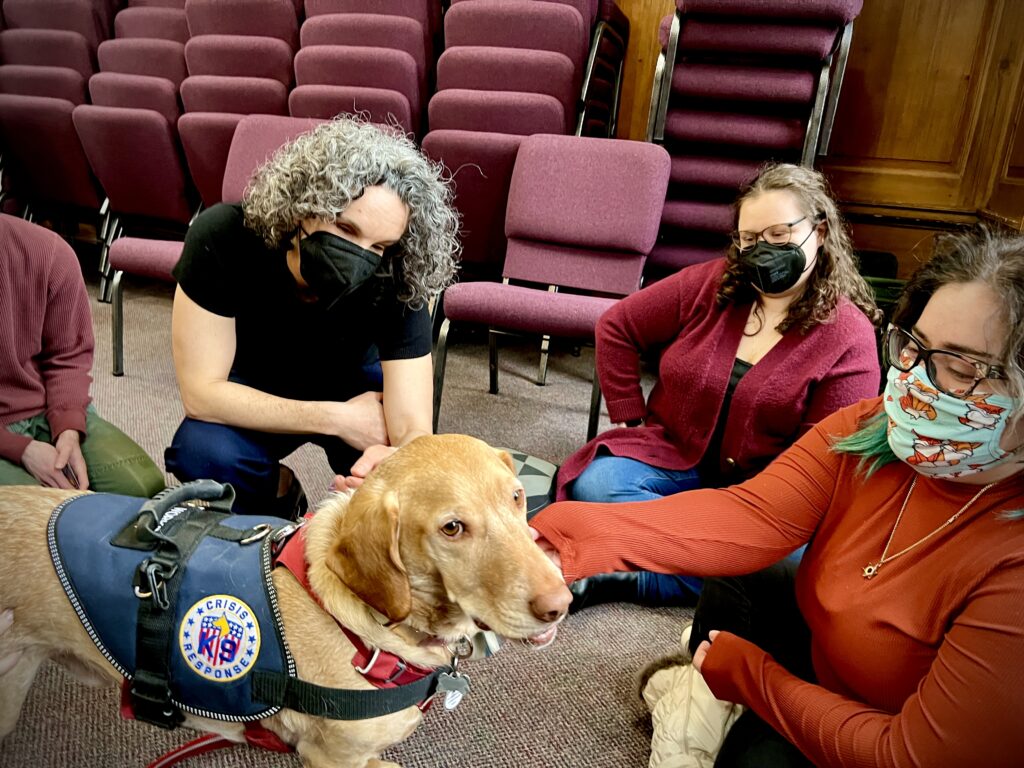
(301, 313)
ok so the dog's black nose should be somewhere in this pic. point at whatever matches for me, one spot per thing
(551, 606)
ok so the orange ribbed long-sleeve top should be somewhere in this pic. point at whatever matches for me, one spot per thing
(921, 666)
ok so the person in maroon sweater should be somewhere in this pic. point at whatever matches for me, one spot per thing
(49, 434)
(754, 349)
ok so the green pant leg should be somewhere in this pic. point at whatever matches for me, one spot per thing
(35, 427)
(15, 474)
(117, 464)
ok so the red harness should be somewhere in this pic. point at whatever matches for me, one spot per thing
(380, 668)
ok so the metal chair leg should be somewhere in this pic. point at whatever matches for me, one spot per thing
(542, 368)
(595, 408)
(440, 358)
(117, 322)
(492, 360)
(113, 232)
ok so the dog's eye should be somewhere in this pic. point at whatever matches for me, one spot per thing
(517, 495)
(453, 529)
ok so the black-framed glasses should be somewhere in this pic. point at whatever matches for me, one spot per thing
(776, 234)
(954, 373)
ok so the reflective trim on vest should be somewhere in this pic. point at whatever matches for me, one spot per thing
(227, 621)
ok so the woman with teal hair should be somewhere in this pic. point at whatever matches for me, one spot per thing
(899, 639)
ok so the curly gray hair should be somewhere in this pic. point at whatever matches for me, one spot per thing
(319, 173)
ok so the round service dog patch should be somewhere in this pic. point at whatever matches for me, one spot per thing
(220, 638)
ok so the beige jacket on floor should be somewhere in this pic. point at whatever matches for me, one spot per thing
(689, 722)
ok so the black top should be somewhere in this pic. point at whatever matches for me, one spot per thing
(286, 346)
(710, 469)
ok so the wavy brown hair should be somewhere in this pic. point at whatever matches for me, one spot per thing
(835, 274)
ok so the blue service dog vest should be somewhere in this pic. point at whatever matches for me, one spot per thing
(226, 621)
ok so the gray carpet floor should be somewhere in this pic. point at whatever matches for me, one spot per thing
(572, 704)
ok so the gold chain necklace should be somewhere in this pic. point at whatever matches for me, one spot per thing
(871, 569)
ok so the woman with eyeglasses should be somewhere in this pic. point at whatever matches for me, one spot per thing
(754, 348)
(901, 640)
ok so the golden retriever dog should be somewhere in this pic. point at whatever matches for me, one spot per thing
(430, 549)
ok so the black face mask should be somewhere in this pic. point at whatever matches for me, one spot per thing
(333, 266)
(774, 268)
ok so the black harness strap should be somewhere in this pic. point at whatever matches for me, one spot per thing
(158, 580)
(280, 690)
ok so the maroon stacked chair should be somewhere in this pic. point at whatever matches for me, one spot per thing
(161, 23)
(257, 137)
(739, 83)
(92, 19)
(239, 56)
(594, 257)
(368, 92)
(345, 66)
(47, 54)
(476, 71)
(42, 153)
(481, 171)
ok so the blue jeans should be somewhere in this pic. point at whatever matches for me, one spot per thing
(618, 479)
(247, 459)
(251, 460)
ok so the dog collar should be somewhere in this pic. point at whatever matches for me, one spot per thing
(381, 668)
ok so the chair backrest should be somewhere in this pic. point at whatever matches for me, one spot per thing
(518, 24)
(160, 23)
(206, 139)
(115, 89)
(496, 112)
(480, 165)
(259, 18)
(362, 66)
(256, 139)
(244, 95)
(586, 8)
(414, 9)
(134, 154)
(46, 158)
(55, 82)
(81, 16)
(615, 190)
(367, 29)
(47, 48)
(238, 56)
(144, 56)
(510, 69)
(379, 105)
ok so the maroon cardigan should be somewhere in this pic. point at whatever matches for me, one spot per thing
(802, 379)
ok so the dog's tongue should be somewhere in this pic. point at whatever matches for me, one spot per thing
(544, 638)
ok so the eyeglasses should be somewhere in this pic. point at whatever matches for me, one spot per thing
(776, 234)
(951, 372)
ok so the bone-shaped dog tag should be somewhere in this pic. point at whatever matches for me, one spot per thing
(454, 686)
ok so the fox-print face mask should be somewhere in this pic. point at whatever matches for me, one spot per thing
(941, 435)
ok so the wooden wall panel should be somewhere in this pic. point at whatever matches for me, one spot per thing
(927, 96)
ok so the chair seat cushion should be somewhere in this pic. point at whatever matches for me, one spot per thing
(528, 310)
(148, 258)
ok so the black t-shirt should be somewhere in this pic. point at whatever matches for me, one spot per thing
(286, 346)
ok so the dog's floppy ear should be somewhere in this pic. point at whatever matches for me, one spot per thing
(366, 556)
(506, 458)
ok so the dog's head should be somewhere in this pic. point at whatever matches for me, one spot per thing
(436, 537)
